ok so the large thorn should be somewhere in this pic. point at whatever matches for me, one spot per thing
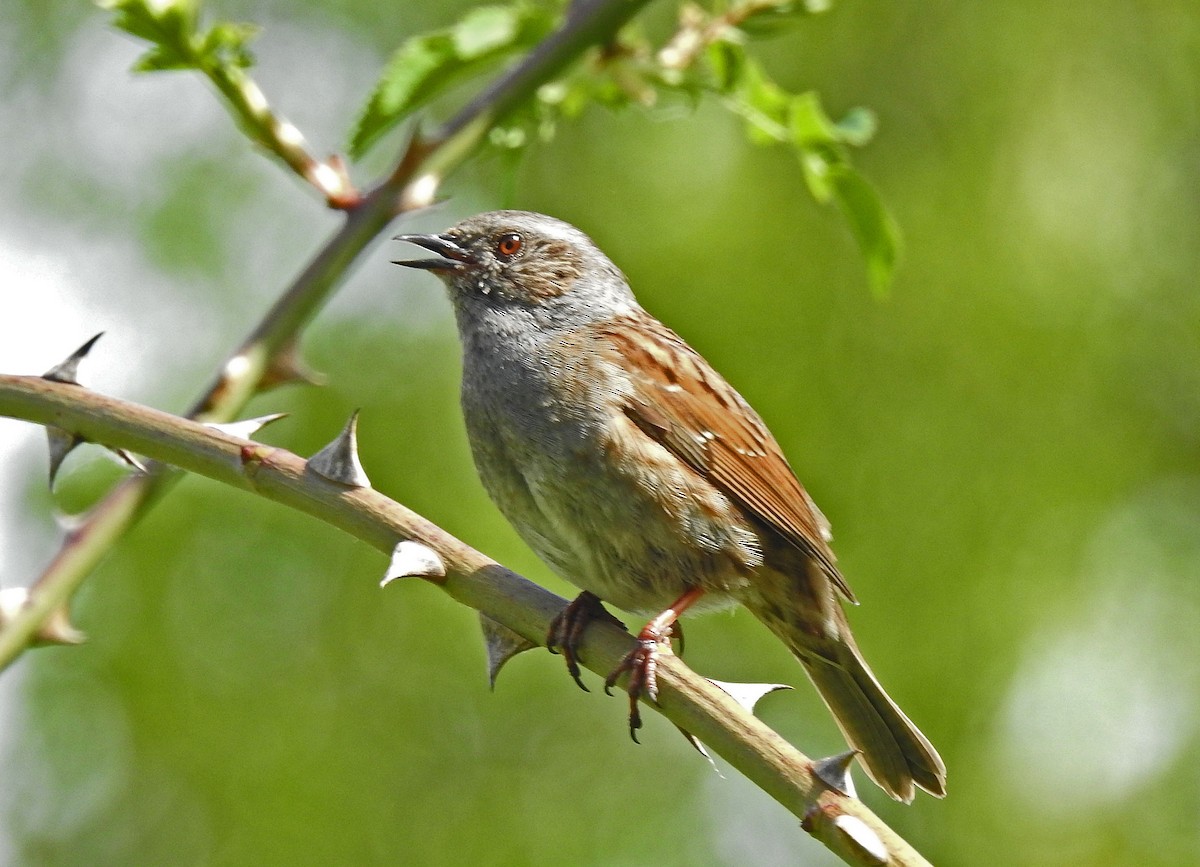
(700, 748)
(57, 628)
(129, 459)
(748, 694)
(68, 369)
(338, 461)
(61, 444)
(502, 645)
(864, 839)
(413, 560)
(246, 428)
(286, 366)
(834, 771)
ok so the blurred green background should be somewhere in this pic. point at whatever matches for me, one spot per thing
(1007, 449)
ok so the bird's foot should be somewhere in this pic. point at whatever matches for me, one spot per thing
(566, 629)
(642, 665)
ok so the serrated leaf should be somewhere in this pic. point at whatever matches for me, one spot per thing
(417, 65)
(176, 42)
(160, 59)
(226, 43)
(875, 229)
(428, 65)
(152, 21)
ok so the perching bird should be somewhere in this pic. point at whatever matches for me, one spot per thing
(641, 476)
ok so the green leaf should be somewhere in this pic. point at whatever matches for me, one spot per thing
(768, 19)
(821, 145)
(808, 122)
(426, 66)
(225, 44)
(176, 41)
(153, 22)
(875, 229)
(818, 173)
(485, 29)
(762, 94)
(858, 126)
(725, 59)
(747, 90)
(160, 59)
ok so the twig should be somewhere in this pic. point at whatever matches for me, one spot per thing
(842, 823)
(263, 356)
(698, 30)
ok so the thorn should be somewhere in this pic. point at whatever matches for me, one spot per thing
(748, 694)
(864, 839)
(413, 560)
(287, 366)
(339, 462)
(68, 370)
(502, 645)
(129, 459)
(61, 444)
(57, 628)
(834, 771)
(246, 428)
(68, 522)
(700, 748)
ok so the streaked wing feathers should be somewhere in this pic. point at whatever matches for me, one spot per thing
(684, 405)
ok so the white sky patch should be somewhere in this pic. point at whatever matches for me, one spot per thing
(748, 827)
(1104, 704)
(61, 283)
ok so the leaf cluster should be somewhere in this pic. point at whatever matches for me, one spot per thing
(176, 38)
(709, 57)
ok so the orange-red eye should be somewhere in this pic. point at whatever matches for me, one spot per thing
(509, 245)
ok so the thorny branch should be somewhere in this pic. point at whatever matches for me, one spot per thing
(842, 823)
(267, 356)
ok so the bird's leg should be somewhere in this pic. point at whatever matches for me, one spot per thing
(642, 662)
(566, 629)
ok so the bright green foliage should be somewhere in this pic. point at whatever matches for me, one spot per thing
(1009, 452)
(628, 73)
(631, 73)
(426, 66)
(773, 116)
(177, 40)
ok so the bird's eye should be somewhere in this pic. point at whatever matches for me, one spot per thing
(508, 245)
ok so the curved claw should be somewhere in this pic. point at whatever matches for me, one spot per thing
(642, 661)
(566, 630)
(642, 665)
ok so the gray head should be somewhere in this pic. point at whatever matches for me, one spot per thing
(524, 264)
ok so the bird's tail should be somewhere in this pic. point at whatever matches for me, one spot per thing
(892, 750)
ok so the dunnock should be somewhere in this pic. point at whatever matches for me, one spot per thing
(640, 475)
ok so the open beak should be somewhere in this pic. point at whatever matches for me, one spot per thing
(453, 256)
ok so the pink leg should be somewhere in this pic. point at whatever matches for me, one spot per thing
(641, 662)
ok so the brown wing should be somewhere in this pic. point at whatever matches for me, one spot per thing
(684, 405)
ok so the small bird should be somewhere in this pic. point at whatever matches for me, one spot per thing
(642, 477)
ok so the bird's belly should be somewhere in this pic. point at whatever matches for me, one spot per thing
(636, 539)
